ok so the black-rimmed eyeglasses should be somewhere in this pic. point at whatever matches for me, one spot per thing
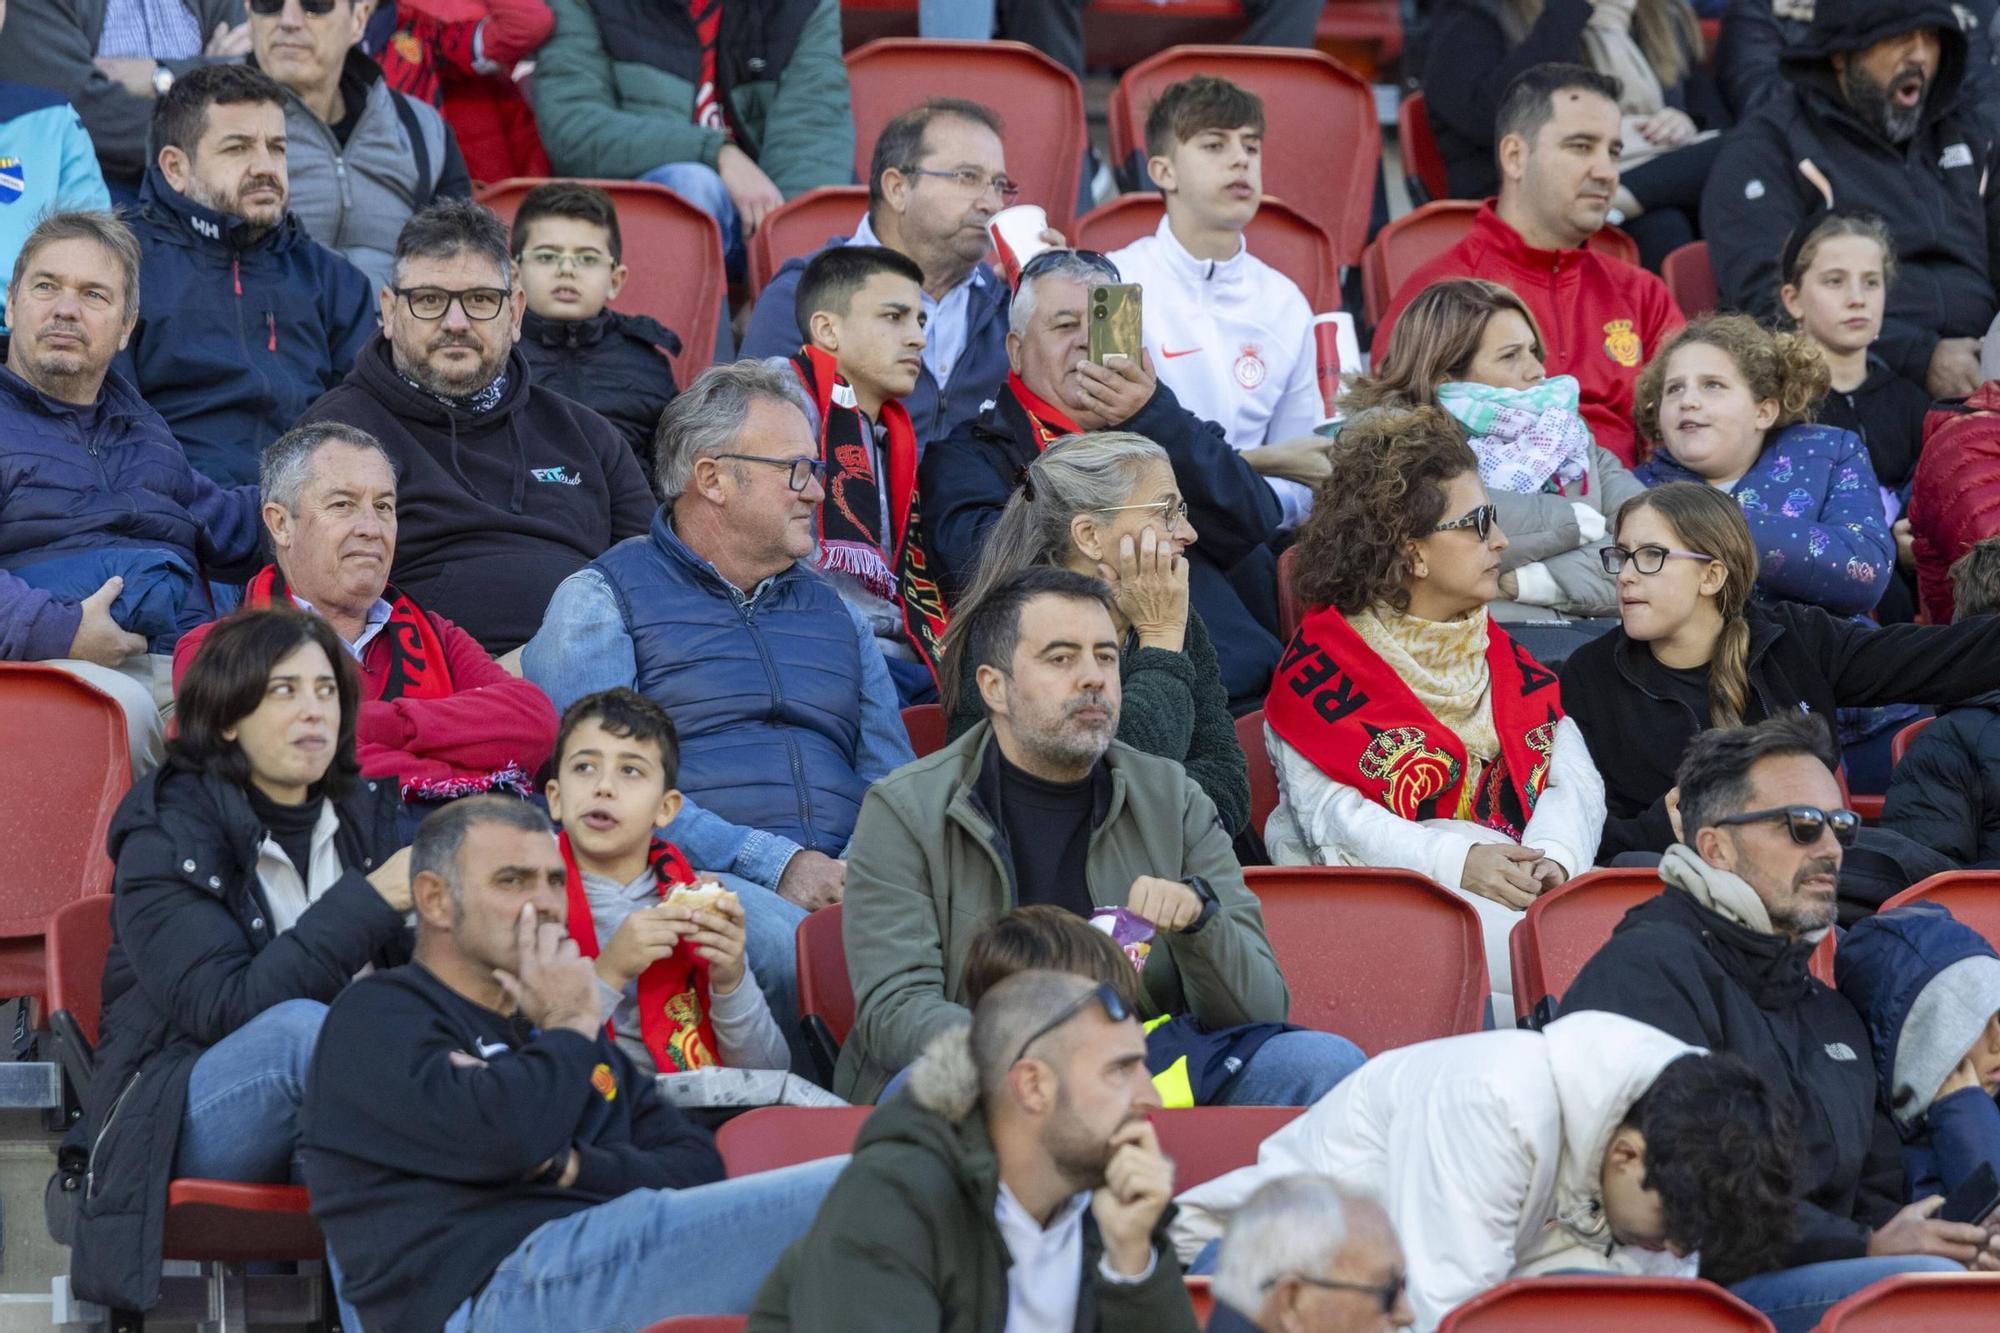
(1104, 994)
(1645, 559)
(1386, 1294)
(1804, 822)
(1480, 520)
(431, 303)
(801, 470)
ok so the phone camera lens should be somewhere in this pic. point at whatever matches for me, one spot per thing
(1102, 311)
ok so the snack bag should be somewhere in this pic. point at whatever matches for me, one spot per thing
(1130, 932)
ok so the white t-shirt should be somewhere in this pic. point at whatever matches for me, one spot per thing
(1233, 340)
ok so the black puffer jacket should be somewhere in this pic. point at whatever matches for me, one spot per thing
(1699, 976)
(193, 959)
(613, 363)
(1946, 792)
(1806, 148)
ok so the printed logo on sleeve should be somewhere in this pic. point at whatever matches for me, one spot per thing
(1754, 190)
(1840, 1050)
(13, 179)
(604, 1082)
(557, 476)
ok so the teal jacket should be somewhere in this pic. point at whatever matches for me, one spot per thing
(46, 166)
(615, 89)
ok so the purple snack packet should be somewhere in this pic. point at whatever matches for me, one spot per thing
(1129, 931)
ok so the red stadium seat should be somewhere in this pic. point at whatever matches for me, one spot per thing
(1628, 1304)
(700, 1323)
(1688, 276)
(1263, 777)
(800, 226)
(826, 996)
(1900, 743)
(64, 743)
(926, 725)
(1279, 235)
(1346, 939)
(1321, 154)
(675, 253)
(1918, 1303)
(1040, 104)
(1973, 896)
(1421, 235)
(1423, 163)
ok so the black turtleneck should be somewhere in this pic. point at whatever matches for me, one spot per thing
(290, 826)
(1048, 831)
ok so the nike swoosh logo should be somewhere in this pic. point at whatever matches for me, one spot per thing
(1171, 355)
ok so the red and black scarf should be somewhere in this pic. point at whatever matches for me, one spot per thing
(1046, 422)
(673, 992)
(707, 15)
(849, 540)
(417, 666)
(1340, 705)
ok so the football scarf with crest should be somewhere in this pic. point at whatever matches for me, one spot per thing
(851, 515)
(417, 665)
(1340, 705)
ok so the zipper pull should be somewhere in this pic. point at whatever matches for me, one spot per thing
(236, 273)
(271, 323)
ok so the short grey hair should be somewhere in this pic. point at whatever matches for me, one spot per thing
(1069, 265)
(286, 462)
(442, 835)
(1290, 1226)
(707, 417)
(1011, 1012)
(86, 224)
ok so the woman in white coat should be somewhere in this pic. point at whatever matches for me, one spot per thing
(1597, 1143)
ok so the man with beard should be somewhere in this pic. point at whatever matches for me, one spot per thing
(1018, 1186)
(504, 489)
(1874, 117)
(243, 318)
(1719, 959)
(1038, 804)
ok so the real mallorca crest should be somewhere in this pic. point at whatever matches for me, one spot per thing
(1410, 770)
(605, 1082)
(1621, 343)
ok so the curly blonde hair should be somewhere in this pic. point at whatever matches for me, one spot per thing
(1387, 489)
(1786, 368)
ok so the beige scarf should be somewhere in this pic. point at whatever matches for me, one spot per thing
(1722, 892)
(1608, 41)
(1444, 664)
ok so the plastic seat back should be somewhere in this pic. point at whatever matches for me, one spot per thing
(1565, 927)
(64, 743)
(1973, 896)
(1263, 775)
(1323, 151)
(79, 940)
(700, 1323)
(1918, 1303)
(1422, 160)
(799, 227)
(1688, 276)
(1900, 743)
(927, 727)
(229, 1222)
(1280, 235)
(1209, 1141)
(824, 990)
(1346, 939)
(1039, 102)
(675, 254)
(1628, 1304)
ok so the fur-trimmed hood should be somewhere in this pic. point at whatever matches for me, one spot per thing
(944, 1079)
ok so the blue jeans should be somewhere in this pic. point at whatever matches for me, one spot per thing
(242, 1117)
(770, 930)
(621, 1265)
(1795, 1298)
(702, 187)
(1294, 1069)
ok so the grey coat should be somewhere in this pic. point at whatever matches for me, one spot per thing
(1543, 527)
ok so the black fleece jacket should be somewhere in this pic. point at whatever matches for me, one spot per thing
(1638, 717)
(613, 363)
(1696, 975)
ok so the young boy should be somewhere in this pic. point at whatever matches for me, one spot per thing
(671, 978)
(567, 247)
(1229, 334)
(862, 309)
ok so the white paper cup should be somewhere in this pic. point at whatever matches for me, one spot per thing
(1017, 237)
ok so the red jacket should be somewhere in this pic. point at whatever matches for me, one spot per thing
(1600, 319)
(1955, 495)
(430, 56)
(492, 721)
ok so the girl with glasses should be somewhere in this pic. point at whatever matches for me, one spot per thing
(1694, 651)
(1408, 729)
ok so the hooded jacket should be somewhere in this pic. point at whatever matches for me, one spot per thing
(1927, 986)
(237, 335)
(907, 1238)
(193, 958)
(1807, 149)
(1755, 37)
(1955, 494)
(1638, 716)
(1486, 1150)
(494, 508)
(1945, 793)
(1697, 972)
(613, 363)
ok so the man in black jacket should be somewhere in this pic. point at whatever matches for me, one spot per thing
(1053, 389)
(481, 1154)
(1719, 959)
(1875, 117)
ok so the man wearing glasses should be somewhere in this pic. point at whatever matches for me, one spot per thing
(1304, 1257)
(1017, 1185)
(1720, 958)
(938, 175)
(504, 489)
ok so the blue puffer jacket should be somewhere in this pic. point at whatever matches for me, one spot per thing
(763, 693)
(237, 337)
(1884, 965)
(1815, 512)
(122, 482)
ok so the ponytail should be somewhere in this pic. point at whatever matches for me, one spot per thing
(1729, 674)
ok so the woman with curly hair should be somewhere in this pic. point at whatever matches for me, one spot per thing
(1407, 728)
(1729, 404)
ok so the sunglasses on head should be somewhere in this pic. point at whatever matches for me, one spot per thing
(269, 8)
(1049, 259)
(1480, 520)
(1104, 994)
(1804, 822)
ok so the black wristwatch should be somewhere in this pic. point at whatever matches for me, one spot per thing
(1209, 904)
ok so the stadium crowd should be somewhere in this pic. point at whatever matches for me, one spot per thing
(504, 694)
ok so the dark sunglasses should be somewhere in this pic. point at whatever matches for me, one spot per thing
(1049, 259)
(316, 8)
(1387, 1293)
(1104, 993)
(1804, 822)
(1480, 520)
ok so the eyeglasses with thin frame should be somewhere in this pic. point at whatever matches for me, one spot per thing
(1804, 822)
(1480, 520)
(800, 469)
(270, 8)
(973, 179)
(583, 261)
(1648, 559)
(1386, 1293)
(1104, 994)
(432, 303)
(1171, 511)
(1049, 259)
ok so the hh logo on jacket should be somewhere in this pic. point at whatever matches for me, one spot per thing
(559, 476)
(1621, 343)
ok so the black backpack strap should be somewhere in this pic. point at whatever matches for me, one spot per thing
(406, 111)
